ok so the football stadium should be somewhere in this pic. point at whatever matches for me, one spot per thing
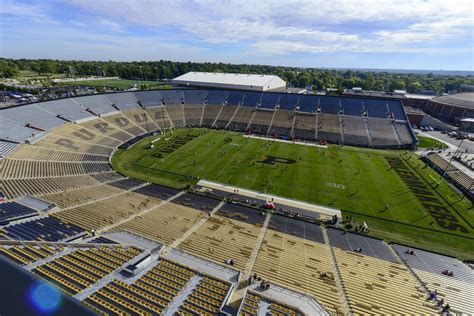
(235, 199)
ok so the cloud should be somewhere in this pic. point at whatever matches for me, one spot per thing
(305, 25)
(227, 29)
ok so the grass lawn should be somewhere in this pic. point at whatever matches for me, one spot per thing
(428, 142)
(118, 83)
(361, 182)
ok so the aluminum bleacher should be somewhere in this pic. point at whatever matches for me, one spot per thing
(172, 96)
(355, 130)
(235, 97)
(305, 126)
(195, 201)
(195, 96)
(98, 104)
(242, 118)
(14, 132)
(329, 127)
(307, 104)
(211, 111)
(6, 148)
(396, 108)
(252, 99)
(382, 132)
(225, 115)
(217, 97)
(329, 105)
(45, 229)
(376, 108)
(282, 123)
(149, 98)
(12, 210)
(270, 100)
(157, 191)
(261, 121)
(454, 290)
(289, 101)
(66, 108)
(31, 114)
(352, 106)
(123, 100)
(403, 130)
(369, 246)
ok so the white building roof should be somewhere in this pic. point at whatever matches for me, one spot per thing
(230, 81)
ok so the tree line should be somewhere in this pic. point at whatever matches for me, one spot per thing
(320, 79)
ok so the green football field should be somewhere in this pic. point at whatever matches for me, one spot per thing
(392, 191)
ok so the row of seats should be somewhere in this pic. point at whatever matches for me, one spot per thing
(107, 211)
(6, 148)
(454, 289)
(20, 169)
(81, 268)
(252, 304)
(299, 264)
(82, 195)
(165, 223)
(152, 293)
(207, 297)
(27, 254)
(19, 187)
(63, 143)
(375, 286)
(456, 175)
(13, 210)
(37, 153)
(43, 229)
(221, 238)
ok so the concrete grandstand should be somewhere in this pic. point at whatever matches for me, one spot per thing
(189, 254)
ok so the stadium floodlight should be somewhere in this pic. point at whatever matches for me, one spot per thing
(438, 181)
(146, 122)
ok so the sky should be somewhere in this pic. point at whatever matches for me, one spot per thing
(428, 34)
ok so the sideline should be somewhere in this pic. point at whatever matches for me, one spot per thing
(285, 141)
(324, 210)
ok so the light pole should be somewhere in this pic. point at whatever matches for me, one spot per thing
(146, 122)
(141, 72)
(450, 160)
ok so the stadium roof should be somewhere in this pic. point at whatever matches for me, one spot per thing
(230, 81)
(464, 100)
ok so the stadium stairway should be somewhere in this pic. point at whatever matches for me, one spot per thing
(369, 135)
(345, 303)
(403, 261)
(99, 199)
(341, 127)
(165, 249)
(144, 211)
(239, 292)
(250, 263)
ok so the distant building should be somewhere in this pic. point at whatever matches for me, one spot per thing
(451, 108)
(467, 124)
(466, 88)
(230, 81)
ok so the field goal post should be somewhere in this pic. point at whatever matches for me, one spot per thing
(168, 135)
